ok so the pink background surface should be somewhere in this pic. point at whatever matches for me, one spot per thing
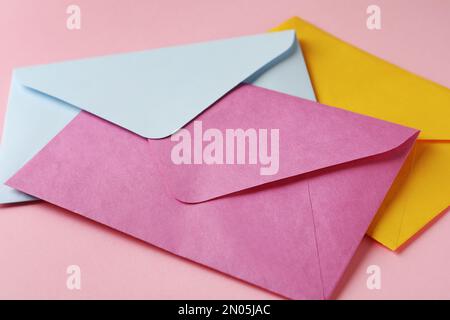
(38, 241)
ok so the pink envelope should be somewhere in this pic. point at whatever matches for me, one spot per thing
(292, 232)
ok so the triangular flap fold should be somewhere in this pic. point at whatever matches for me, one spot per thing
(154, 93)
(298, 135)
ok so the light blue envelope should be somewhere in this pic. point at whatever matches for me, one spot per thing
(151, 93)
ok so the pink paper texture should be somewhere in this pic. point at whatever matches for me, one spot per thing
(294, 236)
(312, 136)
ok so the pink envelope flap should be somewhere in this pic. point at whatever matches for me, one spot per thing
(199, 164)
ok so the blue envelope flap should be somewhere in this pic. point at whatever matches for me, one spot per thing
(156, 92)
(37, 108)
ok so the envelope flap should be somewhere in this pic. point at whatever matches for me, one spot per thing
(343, 75)
(300, 136)
(154, 93)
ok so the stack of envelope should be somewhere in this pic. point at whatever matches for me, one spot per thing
(97, 137)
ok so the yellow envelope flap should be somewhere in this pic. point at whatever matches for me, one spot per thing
(347, 77)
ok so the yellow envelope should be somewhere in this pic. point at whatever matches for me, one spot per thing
(349, 78)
